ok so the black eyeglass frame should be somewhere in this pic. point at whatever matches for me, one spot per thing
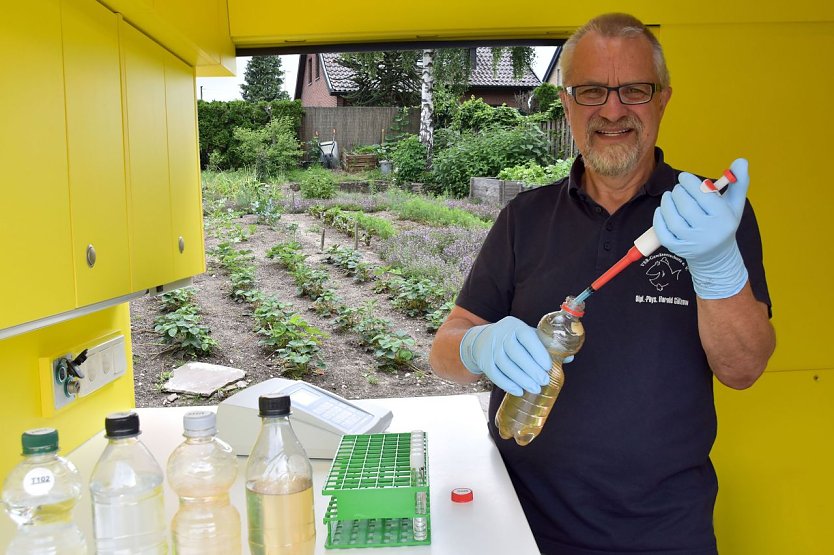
(571, 91)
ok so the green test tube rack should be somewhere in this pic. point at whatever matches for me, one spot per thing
(377, 498)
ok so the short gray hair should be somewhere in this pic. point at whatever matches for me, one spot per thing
(615, 25)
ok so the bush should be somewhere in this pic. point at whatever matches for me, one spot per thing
(218, 120)
(534, 174)
(476, 115)
(486, 154)
(271, 149)
(318, 182)
(409, 159)
(544, 96)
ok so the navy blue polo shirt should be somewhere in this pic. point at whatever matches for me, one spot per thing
(622, 464)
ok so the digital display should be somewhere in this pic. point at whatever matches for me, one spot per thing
(303, 397)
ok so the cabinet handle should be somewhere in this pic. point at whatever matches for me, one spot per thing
(181, 244)
(91, 256)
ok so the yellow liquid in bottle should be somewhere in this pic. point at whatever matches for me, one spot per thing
(522, 418)
(281, 523)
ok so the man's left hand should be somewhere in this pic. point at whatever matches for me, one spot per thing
(701, 227)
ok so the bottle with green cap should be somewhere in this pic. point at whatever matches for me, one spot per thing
(279, 486)
(126, 487)
(201, 470)
(39, 495)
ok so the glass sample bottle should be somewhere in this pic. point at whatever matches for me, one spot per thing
(126, 487)
(279, 486)
(201, 470)
(562, 333)
(39, 495)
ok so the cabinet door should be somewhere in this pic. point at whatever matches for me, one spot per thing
(95, 146)
(37, 273)
(151, 244)
(184, 169)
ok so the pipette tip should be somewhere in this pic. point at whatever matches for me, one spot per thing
(579, 299)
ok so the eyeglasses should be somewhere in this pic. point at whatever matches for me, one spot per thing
(597, 95)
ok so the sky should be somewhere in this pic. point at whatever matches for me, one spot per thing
(228, 88)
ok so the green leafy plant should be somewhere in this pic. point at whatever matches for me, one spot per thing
(532, 173)
(318, 182)
(436, 318)
(184, 330)
(409, 159)
(485, 154)
(271, 149)
(177, 299)
(287, 254)
(393, 351)
(416, 297)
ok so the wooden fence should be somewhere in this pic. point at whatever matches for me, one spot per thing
(559, 140)
(358, 125)
(354, 125)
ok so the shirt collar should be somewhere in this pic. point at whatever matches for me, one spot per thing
(662, 179)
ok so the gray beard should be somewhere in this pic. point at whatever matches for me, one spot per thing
(613, 160)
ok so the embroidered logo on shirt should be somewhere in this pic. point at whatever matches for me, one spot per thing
(663, 270)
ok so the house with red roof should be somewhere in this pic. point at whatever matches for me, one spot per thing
(323, 82)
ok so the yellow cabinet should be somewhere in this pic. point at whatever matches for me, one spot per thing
(184, 168)
(166, 232)
(151, 241)
(37, 276)
(95, 148)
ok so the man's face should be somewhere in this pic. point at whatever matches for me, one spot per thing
(615, 139)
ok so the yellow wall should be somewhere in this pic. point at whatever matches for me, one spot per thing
(25, 363)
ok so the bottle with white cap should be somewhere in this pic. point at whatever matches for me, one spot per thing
(39, 495)
(201, 470)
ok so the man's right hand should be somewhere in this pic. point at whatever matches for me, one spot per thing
(509, 353)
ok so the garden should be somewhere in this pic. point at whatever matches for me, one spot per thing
(308, 278)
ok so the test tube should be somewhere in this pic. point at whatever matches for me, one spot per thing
(417, 462)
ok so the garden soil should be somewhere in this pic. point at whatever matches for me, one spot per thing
(349, 371)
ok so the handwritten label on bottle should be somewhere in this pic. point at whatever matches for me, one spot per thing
(38, 481)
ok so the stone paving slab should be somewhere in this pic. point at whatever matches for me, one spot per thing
(200, 378)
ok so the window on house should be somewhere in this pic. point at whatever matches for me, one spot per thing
(318, 63)
(310, 71)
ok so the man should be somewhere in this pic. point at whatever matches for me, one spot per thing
(622, 465)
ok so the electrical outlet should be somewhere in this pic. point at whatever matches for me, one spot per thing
(105, 362)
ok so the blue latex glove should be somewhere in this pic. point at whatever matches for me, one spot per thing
(701, 227)
(509, 353)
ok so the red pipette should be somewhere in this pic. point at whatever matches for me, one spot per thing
(646, 243)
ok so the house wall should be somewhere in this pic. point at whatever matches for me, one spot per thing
(314, 90)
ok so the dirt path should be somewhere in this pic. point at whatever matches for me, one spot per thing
(349, 370)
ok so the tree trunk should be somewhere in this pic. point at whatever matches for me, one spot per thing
(427, 105)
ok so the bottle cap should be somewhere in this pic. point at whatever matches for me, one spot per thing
(39, 441)
(199, 423)
(462, 495)
(274, 404)
(121, 424)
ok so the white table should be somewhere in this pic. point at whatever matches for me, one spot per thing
(461, 454)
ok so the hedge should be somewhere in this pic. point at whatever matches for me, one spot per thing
(218, 120)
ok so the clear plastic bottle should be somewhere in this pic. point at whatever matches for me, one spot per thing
(126, 487)
(562, 333)
(201, 470)
(279, 486)
(39, 495)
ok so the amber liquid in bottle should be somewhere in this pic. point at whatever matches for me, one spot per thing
(523, 418)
